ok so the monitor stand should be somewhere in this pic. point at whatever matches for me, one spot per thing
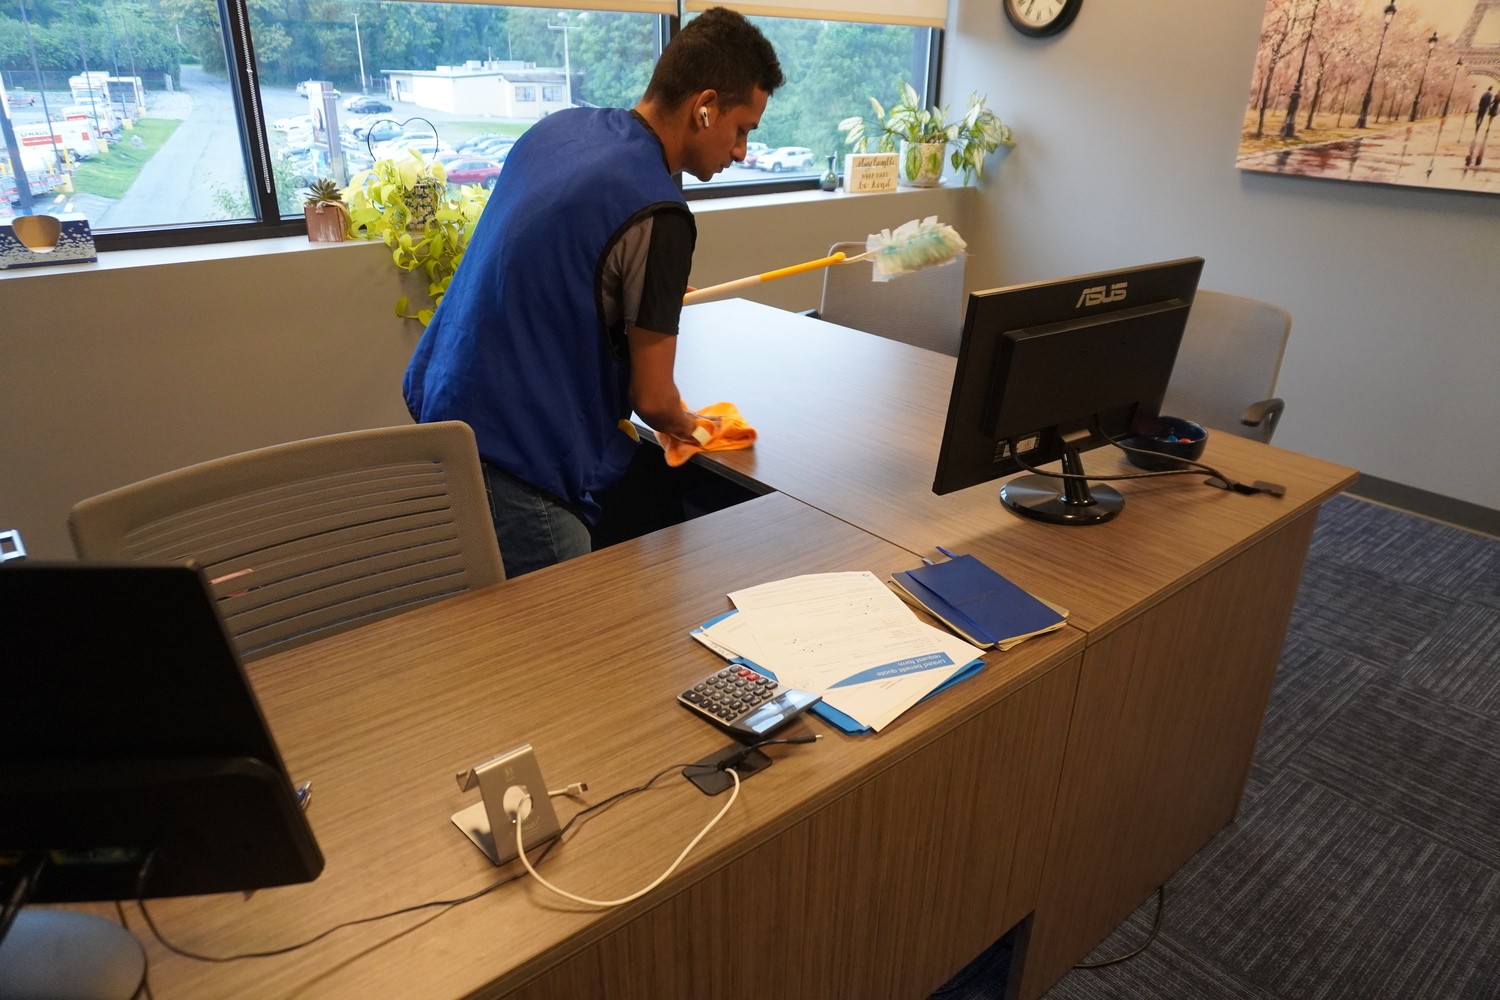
(1040, 498)
(57, 954)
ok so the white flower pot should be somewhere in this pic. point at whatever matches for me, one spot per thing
(922, 163)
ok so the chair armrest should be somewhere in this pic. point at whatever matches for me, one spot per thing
(1265, 415)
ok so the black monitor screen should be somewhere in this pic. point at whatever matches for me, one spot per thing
(1053, 368)
(128, 732)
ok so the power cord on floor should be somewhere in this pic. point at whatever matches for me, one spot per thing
(1161, 902)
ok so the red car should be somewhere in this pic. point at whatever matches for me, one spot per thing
(473, 171)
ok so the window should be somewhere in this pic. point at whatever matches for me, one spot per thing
(832, 69)
(170, 125)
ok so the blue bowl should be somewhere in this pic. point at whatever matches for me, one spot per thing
(1172, 441)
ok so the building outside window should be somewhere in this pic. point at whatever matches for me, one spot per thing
(167, 128)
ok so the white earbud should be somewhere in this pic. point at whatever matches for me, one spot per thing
(703, 113)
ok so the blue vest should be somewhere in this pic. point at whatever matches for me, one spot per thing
(518, 348)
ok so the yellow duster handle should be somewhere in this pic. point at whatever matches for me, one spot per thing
(700, 294)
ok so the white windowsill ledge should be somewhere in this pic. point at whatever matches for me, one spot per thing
(749, 205)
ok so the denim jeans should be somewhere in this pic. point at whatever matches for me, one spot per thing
(534, 528)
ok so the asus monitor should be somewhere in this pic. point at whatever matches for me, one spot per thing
(1051, 369)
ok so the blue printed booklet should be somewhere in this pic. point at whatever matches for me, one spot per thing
(978, 603)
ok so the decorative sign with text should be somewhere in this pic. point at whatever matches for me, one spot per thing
(865, 173)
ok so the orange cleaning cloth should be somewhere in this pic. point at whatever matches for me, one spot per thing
(729, 433)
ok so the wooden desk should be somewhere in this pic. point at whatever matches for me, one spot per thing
(854, 867)
(1055, 790)
(1184, 597)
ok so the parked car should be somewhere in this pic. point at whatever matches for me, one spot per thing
(22, 99)
(424, 145)
(293, 123)
(753, 151)
(305, 85)
(378, 130)
(485, 144)
(785, 158)
(473, 171)
(480, 139)
(366, 106)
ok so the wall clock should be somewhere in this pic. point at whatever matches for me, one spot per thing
(1040, 18)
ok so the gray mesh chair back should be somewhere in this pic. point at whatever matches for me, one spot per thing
(306, 539)
(1226, 370)
(924, 308)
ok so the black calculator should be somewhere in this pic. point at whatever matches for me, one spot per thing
(746, 702)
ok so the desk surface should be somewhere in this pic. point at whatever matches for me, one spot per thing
(382, 718)
(851, 424)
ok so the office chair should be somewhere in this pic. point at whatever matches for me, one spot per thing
(1225, 376)
(306, 539)
(924, 308)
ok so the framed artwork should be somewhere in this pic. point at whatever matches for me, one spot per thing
(1380, 91)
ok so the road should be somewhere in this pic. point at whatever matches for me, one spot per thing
(177, 185)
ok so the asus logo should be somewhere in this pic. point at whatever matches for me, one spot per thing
(1098, 295)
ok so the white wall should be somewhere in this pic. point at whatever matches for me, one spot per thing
(152, 360)
(1127, 126)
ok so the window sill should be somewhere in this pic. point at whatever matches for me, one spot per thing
(747, 205)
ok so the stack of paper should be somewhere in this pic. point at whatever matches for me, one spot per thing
(844, 636)
(978, 603)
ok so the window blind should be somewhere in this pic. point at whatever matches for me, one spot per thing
(915, 13)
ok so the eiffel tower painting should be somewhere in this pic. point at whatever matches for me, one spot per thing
(1402, 92)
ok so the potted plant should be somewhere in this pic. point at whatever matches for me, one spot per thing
(401, 193)
(405, 204)
(922, 134)
(323, 205)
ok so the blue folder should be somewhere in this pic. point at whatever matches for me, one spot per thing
(840, 720)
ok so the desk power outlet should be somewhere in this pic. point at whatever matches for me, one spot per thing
(487, 823)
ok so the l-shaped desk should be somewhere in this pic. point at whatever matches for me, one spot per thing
(1053, 791)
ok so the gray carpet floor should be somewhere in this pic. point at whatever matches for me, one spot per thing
(1365, 862)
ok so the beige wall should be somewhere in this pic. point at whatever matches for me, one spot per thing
(113, 372)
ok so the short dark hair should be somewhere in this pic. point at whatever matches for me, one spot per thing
(717, 50)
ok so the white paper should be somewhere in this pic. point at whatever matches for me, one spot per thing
(814, 632)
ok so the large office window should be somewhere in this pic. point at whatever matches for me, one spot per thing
(832, 69)
(180, 121)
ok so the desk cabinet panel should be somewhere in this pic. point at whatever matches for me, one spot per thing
(1169, 708)
(884, 892)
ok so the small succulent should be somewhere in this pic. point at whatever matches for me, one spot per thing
(323, 191)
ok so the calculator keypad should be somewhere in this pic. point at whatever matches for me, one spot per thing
(728, 694)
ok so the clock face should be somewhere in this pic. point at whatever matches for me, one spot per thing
(1041, 17)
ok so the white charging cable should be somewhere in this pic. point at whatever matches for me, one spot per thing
(523, 810)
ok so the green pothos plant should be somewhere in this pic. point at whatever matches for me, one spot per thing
(405, 203)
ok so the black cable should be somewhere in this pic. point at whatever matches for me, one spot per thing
(1198, 467)
(145, 988)
(185, 953)
(1161, 902)
(27, 871)
(444, 903)
(738, 757)
(1195, 468)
